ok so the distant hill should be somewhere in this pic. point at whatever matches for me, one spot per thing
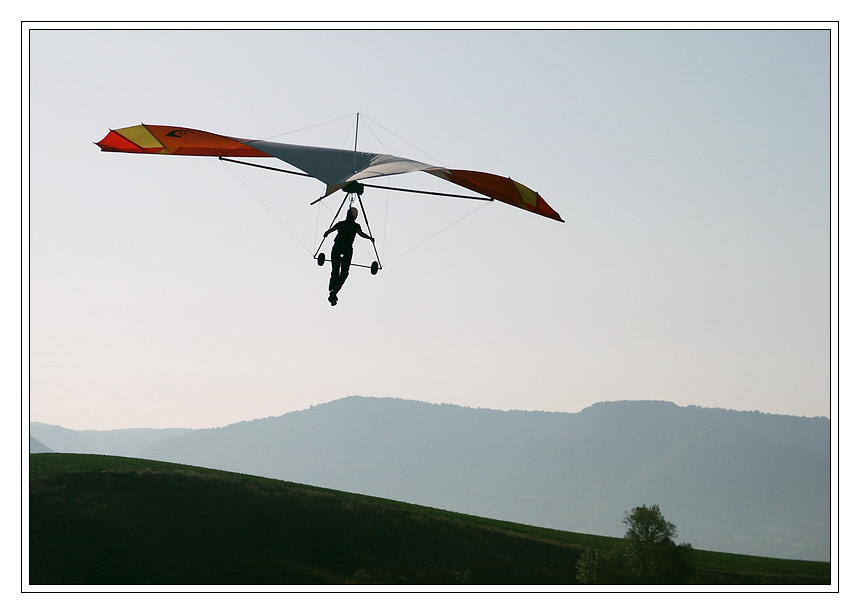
(37, 447)
(731, 481)
(101, 520)
(120, 442)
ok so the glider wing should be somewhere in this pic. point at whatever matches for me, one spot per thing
(334, 167)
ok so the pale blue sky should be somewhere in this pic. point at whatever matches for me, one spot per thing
(692, 167)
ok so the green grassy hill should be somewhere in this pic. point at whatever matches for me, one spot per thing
(111, 520)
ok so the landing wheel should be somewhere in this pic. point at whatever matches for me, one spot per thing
(374, 268)
(321, 259)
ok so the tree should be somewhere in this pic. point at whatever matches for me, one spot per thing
(652, 555)
(647, 555)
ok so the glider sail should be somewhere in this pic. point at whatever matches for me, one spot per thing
(336, 168)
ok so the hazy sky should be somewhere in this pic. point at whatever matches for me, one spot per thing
(692, 169)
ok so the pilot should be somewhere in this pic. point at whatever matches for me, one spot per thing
(341, 252)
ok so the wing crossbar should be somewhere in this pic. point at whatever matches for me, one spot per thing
(466, 196)
(271, 168)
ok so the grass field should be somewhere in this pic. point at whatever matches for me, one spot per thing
(104, 520)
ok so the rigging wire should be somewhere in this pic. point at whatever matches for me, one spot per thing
(378, 140)
(367, 119)
(436, 234)
(274, 215)
(385, 219)
(317, 226)
(331, 121)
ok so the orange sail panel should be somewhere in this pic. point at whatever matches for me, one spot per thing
(178, 141)
(500, 188)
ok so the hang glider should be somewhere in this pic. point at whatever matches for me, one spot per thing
(336, 168)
